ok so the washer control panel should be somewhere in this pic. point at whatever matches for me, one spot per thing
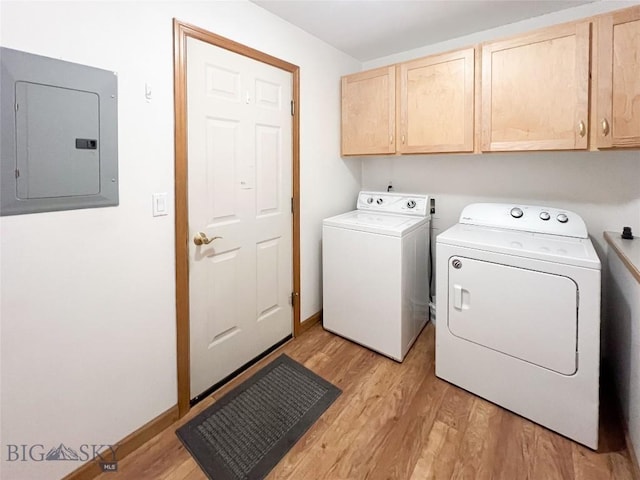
(528, 218)
(391, 202)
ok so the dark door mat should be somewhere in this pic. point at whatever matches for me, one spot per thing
(246, 433)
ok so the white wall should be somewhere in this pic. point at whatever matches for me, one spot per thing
(602, 187)
(622, 297)
(87, 296)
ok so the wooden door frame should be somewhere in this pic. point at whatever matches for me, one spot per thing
(181, 31)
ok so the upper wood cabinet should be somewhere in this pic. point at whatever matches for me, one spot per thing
(368, 112)
(436, 104)
(553, 89)
(535, 90)
(618, 80)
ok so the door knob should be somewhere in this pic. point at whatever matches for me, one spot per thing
(201, 239)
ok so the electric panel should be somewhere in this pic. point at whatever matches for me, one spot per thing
(59, 147)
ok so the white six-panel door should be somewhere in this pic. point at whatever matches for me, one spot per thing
(240, 187)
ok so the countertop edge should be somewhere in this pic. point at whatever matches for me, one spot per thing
(616, 243)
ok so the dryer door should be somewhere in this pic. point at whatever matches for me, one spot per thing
(526, 314)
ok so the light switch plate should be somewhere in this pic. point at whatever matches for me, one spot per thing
(160, 204)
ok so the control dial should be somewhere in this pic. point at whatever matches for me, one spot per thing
(370, 200)
(516, 212)
(411, 204)
(562, 218)
(379, 201)
(545, 216)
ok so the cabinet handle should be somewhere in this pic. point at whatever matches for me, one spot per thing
(581, 129)
(403, 139)
(605, 127)
(391, 140)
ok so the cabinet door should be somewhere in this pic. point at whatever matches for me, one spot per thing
(535, 90)
(618, 111)
(368, 112)
(436, 108)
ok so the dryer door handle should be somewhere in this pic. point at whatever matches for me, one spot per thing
(460, 297)
(457, 296)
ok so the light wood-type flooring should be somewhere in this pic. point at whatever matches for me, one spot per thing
(399, 421)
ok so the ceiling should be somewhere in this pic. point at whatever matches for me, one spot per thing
(368, 29)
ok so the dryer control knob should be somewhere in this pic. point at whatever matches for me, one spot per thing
(411, 204)
(562, 218)
(516, 212)
(379, 201)
(370, 200)
(545, 216)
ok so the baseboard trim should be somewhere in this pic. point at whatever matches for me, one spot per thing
(131, 442)
(310, 322)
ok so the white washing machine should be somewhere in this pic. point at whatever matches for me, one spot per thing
(518, 308)
(375, 266)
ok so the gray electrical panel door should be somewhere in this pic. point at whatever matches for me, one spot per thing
(59, 135)
(49, 164)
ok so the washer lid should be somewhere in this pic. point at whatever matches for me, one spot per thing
(376, 222)
(552, 248)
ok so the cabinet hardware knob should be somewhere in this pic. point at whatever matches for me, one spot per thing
(403, 139)
(391, 140)
(605, 127)
(201, 239)
(582, 129)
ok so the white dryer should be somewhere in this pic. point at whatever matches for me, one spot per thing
(518, 308)
(375, 266)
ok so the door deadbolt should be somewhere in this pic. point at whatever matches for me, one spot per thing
(456, 263)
